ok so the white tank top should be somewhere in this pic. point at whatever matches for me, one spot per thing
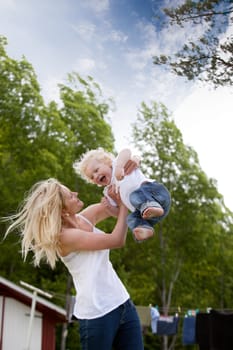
(99, 289)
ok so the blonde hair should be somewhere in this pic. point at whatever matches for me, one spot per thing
(99, 154)
(39, 221)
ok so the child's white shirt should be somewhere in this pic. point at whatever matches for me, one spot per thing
(126, 186)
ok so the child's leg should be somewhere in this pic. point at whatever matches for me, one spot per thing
(153, 210)
(141, 233)
(142, 229)
(152, 200)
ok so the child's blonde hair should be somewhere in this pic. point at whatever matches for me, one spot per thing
(99, 154)
(39, 221)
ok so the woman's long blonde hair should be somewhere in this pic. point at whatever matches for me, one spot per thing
(39, 221)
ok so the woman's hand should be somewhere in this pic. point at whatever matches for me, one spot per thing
(111, 209)
(114, 194)
(132, 164)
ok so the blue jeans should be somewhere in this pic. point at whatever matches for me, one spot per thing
(119, 329)
(149, 194)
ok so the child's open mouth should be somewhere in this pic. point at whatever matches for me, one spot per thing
(102, 178)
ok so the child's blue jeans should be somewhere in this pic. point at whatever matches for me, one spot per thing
(120, 329)
(149, 194)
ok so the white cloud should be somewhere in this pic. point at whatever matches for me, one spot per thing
(7, 4)
(205, 119)
(84, 66)
(85, 30)
(147, 31)
(98, 6)
(50, 90)
(137, 59)
(117, 36)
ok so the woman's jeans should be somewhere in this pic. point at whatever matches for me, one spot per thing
(149, 194)
(120, 329)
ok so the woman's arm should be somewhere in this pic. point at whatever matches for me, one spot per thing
(132, 164)
(73, 239)
(103, 210)
(113, 210)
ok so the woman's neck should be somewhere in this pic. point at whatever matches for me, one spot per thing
(70, 222)
(77, 221)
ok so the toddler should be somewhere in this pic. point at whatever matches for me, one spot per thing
(148, 200)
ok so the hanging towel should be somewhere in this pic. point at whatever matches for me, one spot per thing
(167, 325)
(154, 318)
(189, 330)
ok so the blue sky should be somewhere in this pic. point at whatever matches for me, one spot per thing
(114, 41)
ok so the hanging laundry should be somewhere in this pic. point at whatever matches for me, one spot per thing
(154, 318)
(144, 315)
(167, 325)
(189, 330)
(221, 330)
(203, 330)
(214, 330)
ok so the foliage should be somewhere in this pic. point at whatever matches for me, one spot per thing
(208, 57)
(183, 266)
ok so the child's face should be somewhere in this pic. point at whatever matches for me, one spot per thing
(99, 172)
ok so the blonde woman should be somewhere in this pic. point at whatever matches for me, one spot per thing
(51, 228)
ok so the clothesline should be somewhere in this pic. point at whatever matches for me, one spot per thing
(183, 309)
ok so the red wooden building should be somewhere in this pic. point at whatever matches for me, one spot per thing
(15, 311)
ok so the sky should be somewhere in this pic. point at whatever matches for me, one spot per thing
(114, 42)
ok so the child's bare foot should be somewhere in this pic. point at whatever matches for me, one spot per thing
(152, 212)
(142, 233)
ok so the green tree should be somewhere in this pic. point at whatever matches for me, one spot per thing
(210, 56)
(20, 105)
(183, 259)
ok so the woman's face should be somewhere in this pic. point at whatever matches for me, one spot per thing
(71, 201)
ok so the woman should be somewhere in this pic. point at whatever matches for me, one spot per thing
(52, 229)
